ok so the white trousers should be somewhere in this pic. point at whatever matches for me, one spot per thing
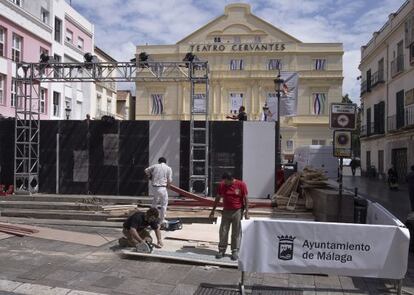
(161, 197)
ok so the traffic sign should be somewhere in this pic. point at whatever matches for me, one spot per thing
(342, 116)
(342, 143)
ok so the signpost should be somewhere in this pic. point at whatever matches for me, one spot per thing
(342, 119)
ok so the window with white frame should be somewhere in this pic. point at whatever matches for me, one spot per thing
(18, 2)
(2, 41)
(43, 99)
(319, 64)
(217, 39)
(318, 142)
(44, 15)
(69, 36)
(13, 91)
(17, 48)
(2, 89)
(274, 64)
(56, 104)
(236, 64)
(80, 43)
(318, 106)
(157, 104)
(289, 145)
(58, 71)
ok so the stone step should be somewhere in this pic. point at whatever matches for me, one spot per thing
(49, 205)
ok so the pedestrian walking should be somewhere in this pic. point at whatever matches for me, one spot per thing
(234, 195)
(392, 179)
(410, 181)
(161, 177)
(353, 165)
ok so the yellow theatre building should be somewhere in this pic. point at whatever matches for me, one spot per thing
(244, 53)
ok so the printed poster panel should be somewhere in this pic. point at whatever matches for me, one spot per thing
(357, 250)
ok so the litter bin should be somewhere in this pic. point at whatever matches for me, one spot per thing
(360, 210)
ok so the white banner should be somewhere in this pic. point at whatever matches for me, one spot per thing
(288, 97)
(359, 250)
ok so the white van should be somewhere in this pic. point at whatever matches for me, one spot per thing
(317, 156)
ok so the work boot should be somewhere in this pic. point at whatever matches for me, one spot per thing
(235, 255)
(220, 255)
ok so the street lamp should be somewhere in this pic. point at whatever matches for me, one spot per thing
(278, 82)
(67, 111)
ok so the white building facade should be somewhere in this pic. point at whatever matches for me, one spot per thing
(387, 96)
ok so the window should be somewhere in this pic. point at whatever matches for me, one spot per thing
(80, 43)
(157, 104)
(411, 53)
(237, 39)
(320, 64)
(44, 15)
(381, 161)
(56, 104)
(379, 118)
(13, 91)
(69, 36)
(17, 2)
(274, 64)
(318, 103)
(257, 39)
(199, 103)
(318, 142)
(236, 64)
(236, 101)
(43, 98)
(17, 48)
(68, 107)
(2, 42)
(217, 39)
(289, 145)
(2, 88)
(58, 30)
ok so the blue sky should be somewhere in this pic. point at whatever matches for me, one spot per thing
(120, 25)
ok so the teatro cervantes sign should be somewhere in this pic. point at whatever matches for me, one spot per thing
(267, 47)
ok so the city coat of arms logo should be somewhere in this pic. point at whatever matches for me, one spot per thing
(285, 247)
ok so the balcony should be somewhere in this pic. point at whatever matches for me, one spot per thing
(397, 65)
(372, 128)
(364, 87)
(377, 78)
(402, 120)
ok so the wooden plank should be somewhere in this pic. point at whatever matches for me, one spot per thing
(185, 258)
(95, 240)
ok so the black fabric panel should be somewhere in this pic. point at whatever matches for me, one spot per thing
(103, 179)
(73, 137)
(226, 151)
(47, 156)
(184, 155)
(133, 157)
(6, 151)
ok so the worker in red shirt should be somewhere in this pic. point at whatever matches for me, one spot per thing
(234, 194)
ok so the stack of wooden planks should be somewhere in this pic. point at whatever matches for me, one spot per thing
(16, 230)
(120, 210)
(294, 194)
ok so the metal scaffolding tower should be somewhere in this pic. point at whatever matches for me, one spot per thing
(199, 135)
(27, 120)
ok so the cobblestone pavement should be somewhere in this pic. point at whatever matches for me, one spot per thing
(38, 266)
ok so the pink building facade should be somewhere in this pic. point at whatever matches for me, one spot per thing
(29, 28)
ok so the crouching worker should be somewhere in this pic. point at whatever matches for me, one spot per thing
(137, 226)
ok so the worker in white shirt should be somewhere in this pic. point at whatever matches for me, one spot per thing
(161, 177)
